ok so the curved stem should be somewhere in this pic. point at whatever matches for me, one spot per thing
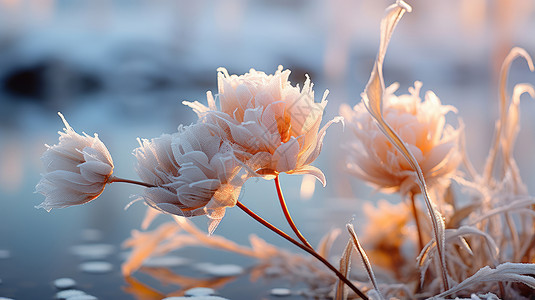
(117, 179)
(287, 214)
(303, 247)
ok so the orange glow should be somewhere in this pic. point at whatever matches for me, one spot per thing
(308, 185)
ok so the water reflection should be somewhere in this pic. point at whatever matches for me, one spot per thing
(167, 277)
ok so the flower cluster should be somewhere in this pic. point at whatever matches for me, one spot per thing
(262, 126)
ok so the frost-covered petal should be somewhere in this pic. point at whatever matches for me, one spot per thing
(263, 113)
(193, 167)
(78, 168)
(311, 170)
(420, 124)
(285, 157)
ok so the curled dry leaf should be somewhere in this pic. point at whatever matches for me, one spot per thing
(503, 121)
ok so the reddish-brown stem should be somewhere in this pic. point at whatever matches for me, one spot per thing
(117, 179)
(287, 214)
(417, 221)
(303, 247)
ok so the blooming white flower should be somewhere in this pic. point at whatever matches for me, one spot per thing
(421, 125)
(270, 119)
(194, 170)
(77, 170)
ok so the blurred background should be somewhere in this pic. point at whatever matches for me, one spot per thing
(122, 68)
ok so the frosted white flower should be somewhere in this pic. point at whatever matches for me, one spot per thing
(270, 119)
(77, 169)
(421, 125)
(194, 170)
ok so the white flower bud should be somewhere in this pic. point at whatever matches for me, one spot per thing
(77, 169)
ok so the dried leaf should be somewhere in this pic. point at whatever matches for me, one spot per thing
(345, 265)
(457, 235)
(365, 260)
(504, 74)
(510, 132)
(514, 205)
(461, 214)
(326, 242)
(506, 272)
(511, 126)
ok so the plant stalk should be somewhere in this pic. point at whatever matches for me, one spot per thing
(287, 214)
(117, 179)
(303, 247)
(417, 221)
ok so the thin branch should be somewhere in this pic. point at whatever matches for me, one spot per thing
(303, 247)
(117, 179)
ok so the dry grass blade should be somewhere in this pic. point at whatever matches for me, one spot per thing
(365, 259)
(504, 73)
(510, 132)
(373, 99)
(513, 115)
(375, 87)
(458, 234)
(491, 244)
(345, 265)
(326, 242)
(511, 272)
(513, 205)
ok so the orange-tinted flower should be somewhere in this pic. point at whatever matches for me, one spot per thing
(277, 123)
(422, 127)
